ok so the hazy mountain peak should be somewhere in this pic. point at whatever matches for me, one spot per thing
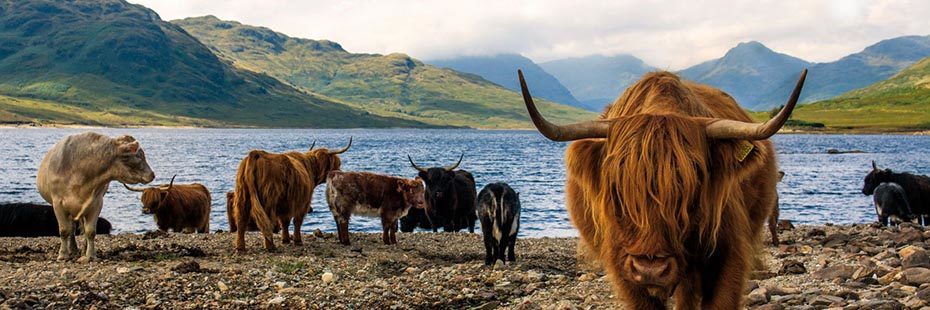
(502, 70)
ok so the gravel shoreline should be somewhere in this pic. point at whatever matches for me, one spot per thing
(817, 267)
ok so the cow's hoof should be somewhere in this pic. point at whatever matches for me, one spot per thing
(86, 259)
(63, 257)
(298, 243)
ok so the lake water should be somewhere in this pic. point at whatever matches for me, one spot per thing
(817, 188)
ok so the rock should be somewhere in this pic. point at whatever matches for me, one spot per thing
(915, 276)
(816, 232)
(587, 277)
(757, 297)
(186, 267)
(771, 307)
(835, 272)
(327, 277)
(277, 300)
(318, 233)
(411, 270)
(923, 294)
(792, 267)
(779, 290)
(784, 225)
(909, 237)
(915, 258)
(825, 300)
(835, 240)
(222, 286)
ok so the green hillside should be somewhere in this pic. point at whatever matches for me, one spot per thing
(901, 102)
(394, 85)
(109, 62)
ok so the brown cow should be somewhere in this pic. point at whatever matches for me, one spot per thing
(669, 190)
(181, 208)
(277, 189)
(230, 199)
(375, 195)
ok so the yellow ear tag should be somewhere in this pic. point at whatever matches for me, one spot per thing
(744, 148)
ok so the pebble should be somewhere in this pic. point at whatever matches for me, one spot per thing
(327, 277)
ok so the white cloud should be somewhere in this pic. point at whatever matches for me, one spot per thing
(666, 34)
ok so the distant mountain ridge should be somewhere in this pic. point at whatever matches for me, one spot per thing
(748, 72)
(501, 69)
(393, 85)
(900, 102)
(597, 80)
(109, 62)
(873, 64)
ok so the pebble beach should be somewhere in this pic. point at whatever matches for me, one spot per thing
(817, 267)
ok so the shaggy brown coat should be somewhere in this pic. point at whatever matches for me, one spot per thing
(666, 209)
(277, 188)
(181, 207)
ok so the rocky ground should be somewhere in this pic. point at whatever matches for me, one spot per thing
(843, 267)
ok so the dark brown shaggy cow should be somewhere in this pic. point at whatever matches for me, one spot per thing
(181, 208)
(669, 189)
(277, 188)
(370, 194)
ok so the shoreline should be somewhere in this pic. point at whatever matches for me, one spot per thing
(787, 131)
(856, 266)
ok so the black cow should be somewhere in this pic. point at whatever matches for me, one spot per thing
(36, 220)
(917, 188)
(416, 218)
(499, 212)
(451, 196)
(891, 204)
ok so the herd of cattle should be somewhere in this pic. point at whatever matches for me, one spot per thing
(669, 190)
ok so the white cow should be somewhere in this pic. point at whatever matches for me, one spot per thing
(74, 176)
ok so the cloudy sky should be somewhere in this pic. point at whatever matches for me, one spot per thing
(666, 34)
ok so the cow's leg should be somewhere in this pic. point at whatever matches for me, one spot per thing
(724, 276)
(386, 230)
(687, 293)
(298, 221)
(66, 232)
(90, 231)
(489, 251)
(242, 225)
(285, 223)
(773, 224)
(342, 228)
(394, 233)
(511, 256)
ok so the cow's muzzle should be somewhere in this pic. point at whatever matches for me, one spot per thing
(652, 271)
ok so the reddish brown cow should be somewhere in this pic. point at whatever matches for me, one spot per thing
(372, 194)
(277, 188)
(230, 200)
(181, 208)
(669, 189)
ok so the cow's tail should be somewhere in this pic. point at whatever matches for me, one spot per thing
(249, 183)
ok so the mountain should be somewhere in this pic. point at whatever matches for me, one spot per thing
(393, 85)
(597, 80)
(749, 72)
(900, 102)
(500, 70)
(109, 62)
(873, 64)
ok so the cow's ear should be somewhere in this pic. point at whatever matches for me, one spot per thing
(401, 185)
(130, 148)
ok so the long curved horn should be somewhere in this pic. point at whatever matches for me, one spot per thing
(134, 189)
(170, 184)
(582, 130)
(343, 150)
(312, 145)
(415, 165)
(730, 129)
(456, 164)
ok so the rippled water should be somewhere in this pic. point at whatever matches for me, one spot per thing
(818, 187)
